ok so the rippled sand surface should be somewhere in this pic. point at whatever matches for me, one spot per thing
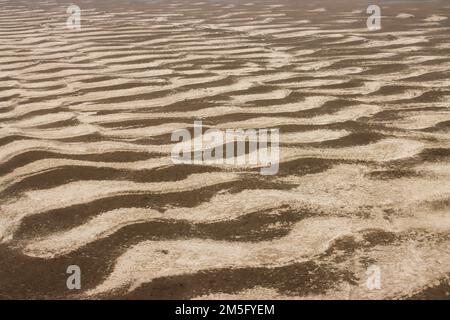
(86, 178)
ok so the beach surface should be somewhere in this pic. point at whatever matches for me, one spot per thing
(360, 206)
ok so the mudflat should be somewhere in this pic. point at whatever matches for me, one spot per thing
(360, 206)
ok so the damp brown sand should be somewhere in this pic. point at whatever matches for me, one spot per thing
(173, 63)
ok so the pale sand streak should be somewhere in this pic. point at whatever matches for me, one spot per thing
(146, 261)
(312, 194)
(86, 191)
(273, 53)
(15, 148)
(308, 104)
(406, 269)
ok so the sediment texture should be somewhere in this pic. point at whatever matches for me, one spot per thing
(86, 176)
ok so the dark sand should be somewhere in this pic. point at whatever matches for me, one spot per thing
(86, 177)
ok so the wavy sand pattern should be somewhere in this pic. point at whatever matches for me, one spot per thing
(86, 176)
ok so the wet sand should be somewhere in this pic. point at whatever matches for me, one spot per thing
(86, 177)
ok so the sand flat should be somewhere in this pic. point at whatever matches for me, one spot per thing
(86, 175)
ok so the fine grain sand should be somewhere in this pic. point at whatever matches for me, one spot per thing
(86, 178)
